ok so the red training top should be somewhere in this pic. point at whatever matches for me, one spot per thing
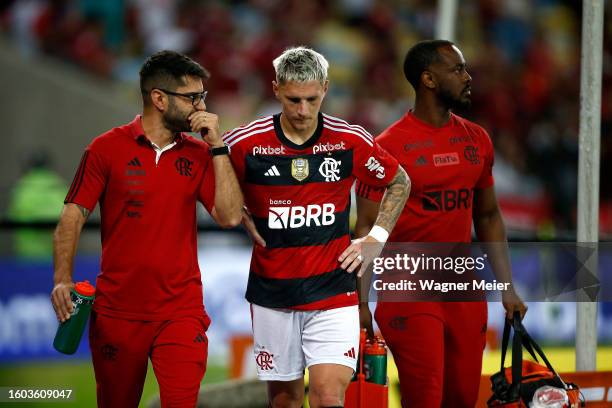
(445, 165)
(299, 196)
(149, 266)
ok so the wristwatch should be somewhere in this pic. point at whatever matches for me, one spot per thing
(216, 151)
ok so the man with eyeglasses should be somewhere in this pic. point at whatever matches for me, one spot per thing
(147, 176)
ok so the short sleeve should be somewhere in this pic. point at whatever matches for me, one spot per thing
(486, 177)
(90, 179)
(374, 166)
(206, 194)
(237, 157)
(371, 193)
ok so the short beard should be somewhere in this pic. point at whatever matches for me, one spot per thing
(454, 103)
(174, 120)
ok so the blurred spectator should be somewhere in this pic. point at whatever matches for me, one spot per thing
(38, 196)
(526, 61)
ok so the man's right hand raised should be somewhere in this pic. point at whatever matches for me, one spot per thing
(60, 298)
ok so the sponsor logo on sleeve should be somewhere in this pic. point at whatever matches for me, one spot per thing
(374, 166)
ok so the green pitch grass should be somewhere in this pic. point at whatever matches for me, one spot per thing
(79, 377)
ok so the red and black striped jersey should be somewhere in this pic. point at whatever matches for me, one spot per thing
(299, 196)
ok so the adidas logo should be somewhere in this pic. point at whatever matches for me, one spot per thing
(134, 162)
(272, 171)
(350, 353)
(421, 161)
(200, 338)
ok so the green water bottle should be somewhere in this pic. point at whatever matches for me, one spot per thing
(375, 362)
(69, 333)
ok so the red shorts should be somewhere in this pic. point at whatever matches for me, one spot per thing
(437, 348)
(121, 349)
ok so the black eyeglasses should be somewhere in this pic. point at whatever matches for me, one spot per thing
(196, 98)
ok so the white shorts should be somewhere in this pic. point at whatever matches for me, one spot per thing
(288, 341)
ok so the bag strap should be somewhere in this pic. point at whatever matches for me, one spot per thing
(519, 326)
(522, 339)
(517, 356)
(504, 345)
(506, 339)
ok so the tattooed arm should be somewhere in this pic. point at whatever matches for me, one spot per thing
(394, 200)
(385, 215)
(389, 211)
(65, 241)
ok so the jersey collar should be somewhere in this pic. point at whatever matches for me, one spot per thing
(137, 132)
(418, 122)
(309, 143)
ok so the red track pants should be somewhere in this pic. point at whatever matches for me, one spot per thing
(437, 348)
(121, 350)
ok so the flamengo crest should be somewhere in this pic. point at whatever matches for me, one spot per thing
(330, 169)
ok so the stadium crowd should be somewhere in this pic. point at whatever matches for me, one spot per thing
(524, 59)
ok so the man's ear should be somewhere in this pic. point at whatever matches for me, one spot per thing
(428, 79)
(159, 99)
(275, 89)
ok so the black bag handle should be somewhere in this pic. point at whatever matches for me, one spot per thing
(506, 340)
(537, 347)
(521, 339)
(517, 358)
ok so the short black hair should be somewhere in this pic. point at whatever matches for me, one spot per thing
(420, 57)
(167, 70)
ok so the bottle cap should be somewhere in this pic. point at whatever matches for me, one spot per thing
(375, 348)
(85, 288)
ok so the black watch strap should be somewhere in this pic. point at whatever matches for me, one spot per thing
(216, 151)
